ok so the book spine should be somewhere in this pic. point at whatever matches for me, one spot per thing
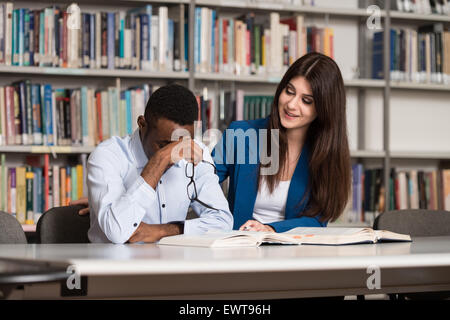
(79, 175)
(67, 118)
(46, 182)
(20, 89)
(56, 186)
(37, 28)
(74, 187)
(128, 112)
(48, 111)
(21, 201)
(111, 43)
(84, 116)
(10, 115)
(17, 117)
(63, 193)
(92, 44)
(8, 32)
(98, 40)
(2, 117)
(68, 185)
(29, 110)
(35, 196)
(12, 208)
(26, 38)
(29, 176)
(31, 37)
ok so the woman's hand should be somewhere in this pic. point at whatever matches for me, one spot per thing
(83, 202)
(253, 225)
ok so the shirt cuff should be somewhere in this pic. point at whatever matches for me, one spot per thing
(142, 193)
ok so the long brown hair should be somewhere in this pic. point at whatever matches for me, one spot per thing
(329, 182)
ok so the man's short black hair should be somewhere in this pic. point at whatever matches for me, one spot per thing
(173, 102)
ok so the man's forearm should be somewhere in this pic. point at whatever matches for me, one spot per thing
(154, 232)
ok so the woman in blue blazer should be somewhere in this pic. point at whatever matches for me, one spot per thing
(312, 183)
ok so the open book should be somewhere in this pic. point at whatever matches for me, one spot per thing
(308, 236)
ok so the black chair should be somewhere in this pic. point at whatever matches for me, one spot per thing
(416, 223)
(11, 231)
(63, 225)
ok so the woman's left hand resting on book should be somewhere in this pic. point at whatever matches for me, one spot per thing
(253, 225)
(83, 202)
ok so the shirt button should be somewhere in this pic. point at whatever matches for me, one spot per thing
(160, 181)
(163, 205)
(135, 225)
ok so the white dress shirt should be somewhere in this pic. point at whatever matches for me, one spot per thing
(119, 198)
(270, 207)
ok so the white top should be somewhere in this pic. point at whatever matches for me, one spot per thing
(270, 207)
(119, 198)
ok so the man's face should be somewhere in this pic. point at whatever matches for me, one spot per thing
(158, 135)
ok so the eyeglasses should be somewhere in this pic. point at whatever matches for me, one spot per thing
(191, 187)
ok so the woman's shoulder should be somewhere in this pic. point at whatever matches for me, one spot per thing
(249, 124)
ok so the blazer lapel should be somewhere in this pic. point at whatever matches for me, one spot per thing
(298, 185)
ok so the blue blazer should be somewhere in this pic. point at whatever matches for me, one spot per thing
(243, 175)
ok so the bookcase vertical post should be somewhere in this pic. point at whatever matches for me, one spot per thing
(191, 26)
(386, 100)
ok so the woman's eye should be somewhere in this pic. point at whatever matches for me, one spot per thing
(307, 101)
(289, 91)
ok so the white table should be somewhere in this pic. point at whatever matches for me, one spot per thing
(266, 272)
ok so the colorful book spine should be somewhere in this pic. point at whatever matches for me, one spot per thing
(29, 176)
(21, 201)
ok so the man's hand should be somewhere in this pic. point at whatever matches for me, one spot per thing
(165, 157)
(253, 225)
(83, 202)
(154, 232)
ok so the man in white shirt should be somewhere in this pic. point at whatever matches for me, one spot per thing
(140, 187)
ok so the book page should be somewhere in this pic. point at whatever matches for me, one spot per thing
(215, 239)
(327, 231)
(391, 236)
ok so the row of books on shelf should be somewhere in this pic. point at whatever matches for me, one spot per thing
(30, 190)
(254, 44)
(421, 6)
(144, 38)
(421, 55)
(219, 110)
(409, 189)
(34, 114)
